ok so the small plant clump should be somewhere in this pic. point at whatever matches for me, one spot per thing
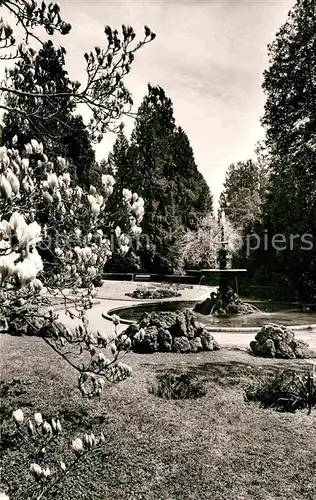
(285, 391)
(183, 386)
(155, 292)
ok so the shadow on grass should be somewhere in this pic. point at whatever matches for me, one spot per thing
(13, 395)
(232, 373)
(79, 417)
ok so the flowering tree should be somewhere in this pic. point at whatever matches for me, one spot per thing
(79, 253)
(51, 240)
(50, 235)
(103, 92)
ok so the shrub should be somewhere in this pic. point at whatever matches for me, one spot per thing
(285, 391)
(183, 386)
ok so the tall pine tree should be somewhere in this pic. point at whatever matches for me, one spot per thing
(159, 165)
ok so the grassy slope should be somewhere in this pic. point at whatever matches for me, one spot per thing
(214, 448)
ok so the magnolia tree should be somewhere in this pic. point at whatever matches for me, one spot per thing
(27, 249)
(80, 249)
(52, 238)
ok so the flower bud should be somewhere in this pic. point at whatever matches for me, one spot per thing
(77, 446)
(52, 181)
(30, 428)
(5, 187)
(95, 209)
(18, 416)
(46, 472)
(116, 319)
(36, 470)
(114, 349)
(54, 425)
(47, 429)
(14, 181)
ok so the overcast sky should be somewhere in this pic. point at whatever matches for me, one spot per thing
(208, 56)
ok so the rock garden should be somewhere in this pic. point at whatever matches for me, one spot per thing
(175, 331)
(277, 341)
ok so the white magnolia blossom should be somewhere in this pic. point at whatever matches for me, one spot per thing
(52, 181)
(127, 195)
(38, 418)
(36, 286)
(138, 209)
(37, 147)
(77, 445)
(47, 428)
(18, 416)
(5, 187)
(13, 180)
(136, 230)
(46, 472)
(36, 470)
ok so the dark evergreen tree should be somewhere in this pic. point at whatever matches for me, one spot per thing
(290, 122)
(159, 165)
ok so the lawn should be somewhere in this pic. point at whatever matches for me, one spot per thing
(216, 447)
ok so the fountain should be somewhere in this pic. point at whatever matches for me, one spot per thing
(224, 311)
(226, 300)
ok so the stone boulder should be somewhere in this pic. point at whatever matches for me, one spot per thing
(196, 344)
(175, 331)
(277, 341)
(265, 349)
(181, 344)
(164, 340)
(301, 349)
(164, 320)
(207, 340)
